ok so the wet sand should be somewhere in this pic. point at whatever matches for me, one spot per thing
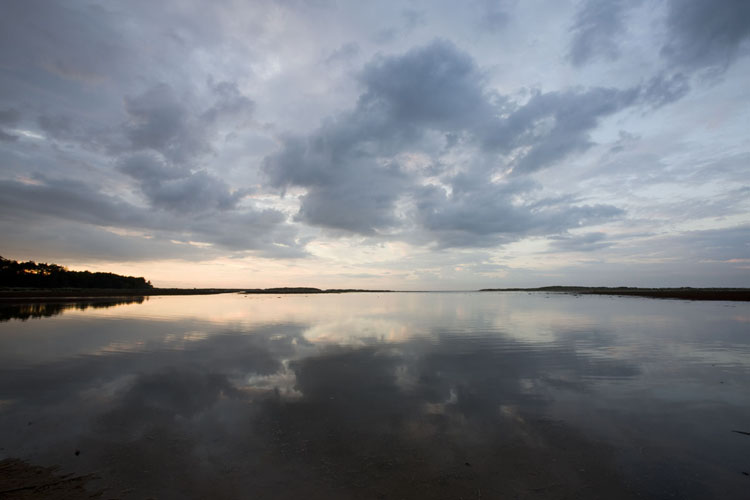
(23, 481)
(302, 457)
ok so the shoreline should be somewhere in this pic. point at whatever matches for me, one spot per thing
(78, 294)
(685, 293)
(75, 294)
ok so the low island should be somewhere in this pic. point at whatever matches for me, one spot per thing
(686, 293)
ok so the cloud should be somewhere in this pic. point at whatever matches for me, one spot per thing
(436, 85)
(170, 187)
(229, 104)
(662, 90)
(596, 30)
(259, 127)
(9, 116)
(551, 126)
(352, 165)
(344, 54)
(407, 20)
(699, 34)
(95, 112)
(264, 232)
(706, 34)
(58, 39)
(347, 165)
(725, 244)
(197, 192)
(486, 215)
(493, 15)
(588, 242)
(170, 138)
(367, 210)
(158, 120)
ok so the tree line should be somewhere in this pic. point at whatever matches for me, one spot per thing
(42, 275)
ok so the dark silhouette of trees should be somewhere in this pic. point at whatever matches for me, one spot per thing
(42, 275)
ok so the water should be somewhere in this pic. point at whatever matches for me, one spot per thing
(408, 395)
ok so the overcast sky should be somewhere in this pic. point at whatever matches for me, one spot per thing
(410, 145)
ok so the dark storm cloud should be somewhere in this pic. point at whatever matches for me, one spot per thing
(350, 168)
(596, 30)
(706, 34)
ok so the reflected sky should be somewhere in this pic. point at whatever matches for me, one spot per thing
(404, 395)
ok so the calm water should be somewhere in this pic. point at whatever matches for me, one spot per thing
(409, 395)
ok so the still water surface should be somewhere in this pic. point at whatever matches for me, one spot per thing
(403, 395)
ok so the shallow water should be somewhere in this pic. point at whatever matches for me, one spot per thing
(403, 395)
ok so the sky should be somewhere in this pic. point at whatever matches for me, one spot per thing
(413, 145)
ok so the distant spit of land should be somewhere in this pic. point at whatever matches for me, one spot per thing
(687, 293)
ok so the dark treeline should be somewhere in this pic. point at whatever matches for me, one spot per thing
(41, 275)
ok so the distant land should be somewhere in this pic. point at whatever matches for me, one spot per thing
(32, 281)
(38, 282)
(687, 293)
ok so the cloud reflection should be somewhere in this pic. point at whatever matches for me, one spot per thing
(273, 410)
